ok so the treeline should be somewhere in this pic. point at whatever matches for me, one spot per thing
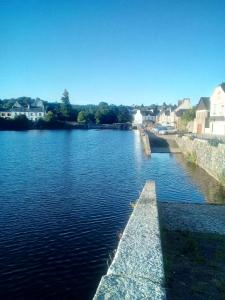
(21, 122)
(103, 113)
(64, 114)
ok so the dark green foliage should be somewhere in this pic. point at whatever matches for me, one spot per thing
(189, 115)
(25, 101)
(65, 113)
(85, 117)
(19, 123)
(65, 97)
(103, 114)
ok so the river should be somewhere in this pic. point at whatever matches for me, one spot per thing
(65, 198)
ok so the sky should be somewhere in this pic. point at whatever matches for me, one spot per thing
(118, 51)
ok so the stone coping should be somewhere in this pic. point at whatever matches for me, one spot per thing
(137, 268)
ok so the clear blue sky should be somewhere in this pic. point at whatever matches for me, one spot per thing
(119, 51)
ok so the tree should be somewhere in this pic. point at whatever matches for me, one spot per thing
(50, 117)
(65, 97)
(123, 115)
(66, 108)
(189, 115)
(85, 117)
(82, 118)
(186, 118)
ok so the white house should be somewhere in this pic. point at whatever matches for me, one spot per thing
(142, 117)
(217, 110)
(33, 112)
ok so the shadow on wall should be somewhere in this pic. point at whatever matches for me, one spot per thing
(213, 191)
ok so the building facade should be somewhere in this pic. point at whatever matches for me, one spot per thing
(143, 118)
(217, 111)
(172, 117)
(201, 121)
(33, 112)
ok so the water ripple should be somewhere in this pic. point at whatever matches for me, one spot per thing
(65, 196)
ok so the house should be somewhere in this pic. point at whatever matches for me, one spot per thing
(183, 106)
(166, 117)
(143, 117)
(217, 110)
(201, 121)
(33, 111)
(172, 117)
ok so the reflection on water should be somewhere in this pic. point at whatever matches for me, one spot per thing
(214, 193)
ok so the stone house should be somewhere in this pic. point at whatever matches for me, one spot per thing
(217, 110)
(201, 121)
(33, 112)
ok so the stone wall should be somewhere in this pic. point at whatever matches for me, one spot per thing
(145, 142)
(206, 155)
(136, 272)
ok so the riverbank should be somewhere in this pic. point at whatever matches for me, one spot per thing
(25, 124)
(206, 154)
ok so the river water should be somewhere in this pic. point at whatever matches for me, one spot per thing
(65, 198)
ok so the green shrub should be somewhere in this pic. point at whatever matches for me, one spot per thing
(191, 157)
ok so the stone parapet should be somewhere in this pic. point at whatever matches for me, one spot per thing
(137, 268)
(145, 142)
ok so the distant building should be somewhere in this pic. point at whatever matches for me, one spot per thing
(201, 121)
(33, 112)
(184, 104)
(143, 117)
(172, 117)
(166, 117)
(217, 110)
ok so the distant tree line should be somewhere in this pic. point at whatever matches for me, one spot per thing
(65, 114)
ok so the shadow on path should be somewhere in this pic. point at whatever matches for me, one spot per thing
(163, 144)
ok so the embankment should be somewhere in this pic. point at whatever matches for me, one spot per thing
(145, 142)
(209, 156)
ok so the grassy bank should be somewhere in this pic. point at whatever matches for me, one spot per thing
(194, 265)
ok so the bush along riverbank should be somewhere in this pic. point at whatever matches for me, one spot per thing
(22, 123)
